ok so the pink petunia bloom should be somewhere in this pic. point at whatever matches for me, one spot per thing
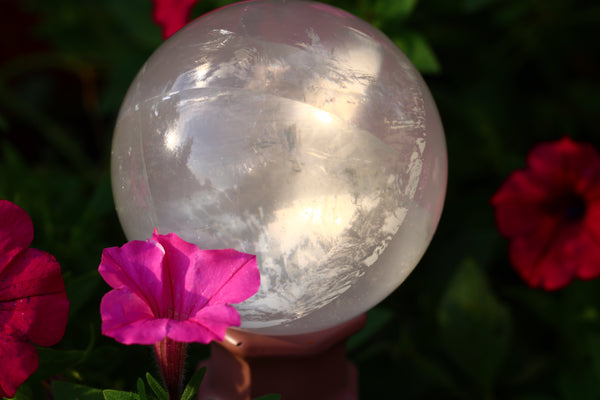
(168, 292)
(550, 212)
(172, 15)
(33, 302)
(167, 287)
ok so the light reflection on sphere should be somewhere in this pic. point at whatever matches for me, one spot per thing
(294, 131)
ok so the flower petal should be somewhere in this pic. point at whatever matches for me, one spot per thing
(18, 360)
(539, 263)
(520, 219)
(190, 288)
(172, 15)
(16, 231)
(520, 205)
(231, 277)
(208, 276)
(556, 256)
(592, 220)
(33, 298)
(180, 258)
(129, 320)
(138, 266)
(587, 257)
(546, 160)
(210, 323)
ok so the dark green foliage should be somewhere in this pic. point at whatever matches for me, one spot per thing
(506, 74)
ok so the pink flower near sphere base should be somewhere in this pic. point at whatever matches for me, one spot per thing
(550, 212)
(33, 302)
(166, 287)
(168, 292)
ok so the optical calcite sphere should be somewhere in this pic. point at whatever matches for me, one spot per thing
(294, 131)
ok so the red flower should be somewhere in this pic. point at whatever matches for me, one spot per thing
(550, 212)
(172, 15)
(33, 302)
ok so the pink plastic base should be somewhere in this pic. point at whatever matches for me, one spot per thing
(300, 367)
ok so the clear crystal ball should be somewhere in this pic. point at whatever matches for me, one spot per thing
(294, 131)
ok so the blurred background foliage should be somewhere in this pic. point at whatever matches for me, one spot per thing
(506, 74)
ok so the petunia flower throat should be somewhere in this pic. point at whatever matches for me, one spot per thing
(168, 292)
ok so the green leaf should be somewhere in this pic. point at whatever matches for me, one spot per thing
(141, 387)
(156, 387)
(394, 9)
(193, 385)
(418, 50)
(67, 390)
(119, 395)
(383, 14)
(475, 327)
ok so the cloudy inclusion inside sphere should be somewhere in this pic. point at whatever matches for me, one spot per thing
(293, 131)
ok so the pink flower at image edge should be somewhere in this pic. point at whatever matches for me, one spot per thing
(172, 15)
(33, 302)
(165, 287)
(550, 212)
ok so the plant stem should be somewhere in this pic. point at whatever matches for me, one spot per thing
(171, 358)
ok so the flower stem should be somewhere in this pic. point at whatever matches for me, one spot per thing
(171, 359)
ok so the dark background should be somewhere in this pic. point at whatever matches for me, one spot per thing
(506, 75)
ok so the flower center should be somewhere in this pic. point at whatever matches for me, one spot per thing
(575, 208)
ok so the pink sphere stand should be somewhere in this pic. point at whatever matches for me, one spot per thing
(311, 366)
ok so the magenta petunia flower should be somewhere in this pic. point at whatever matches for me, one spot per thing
(550, 212)
(167, 287)
(33, 302)
(172, 15)
(168, 292)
